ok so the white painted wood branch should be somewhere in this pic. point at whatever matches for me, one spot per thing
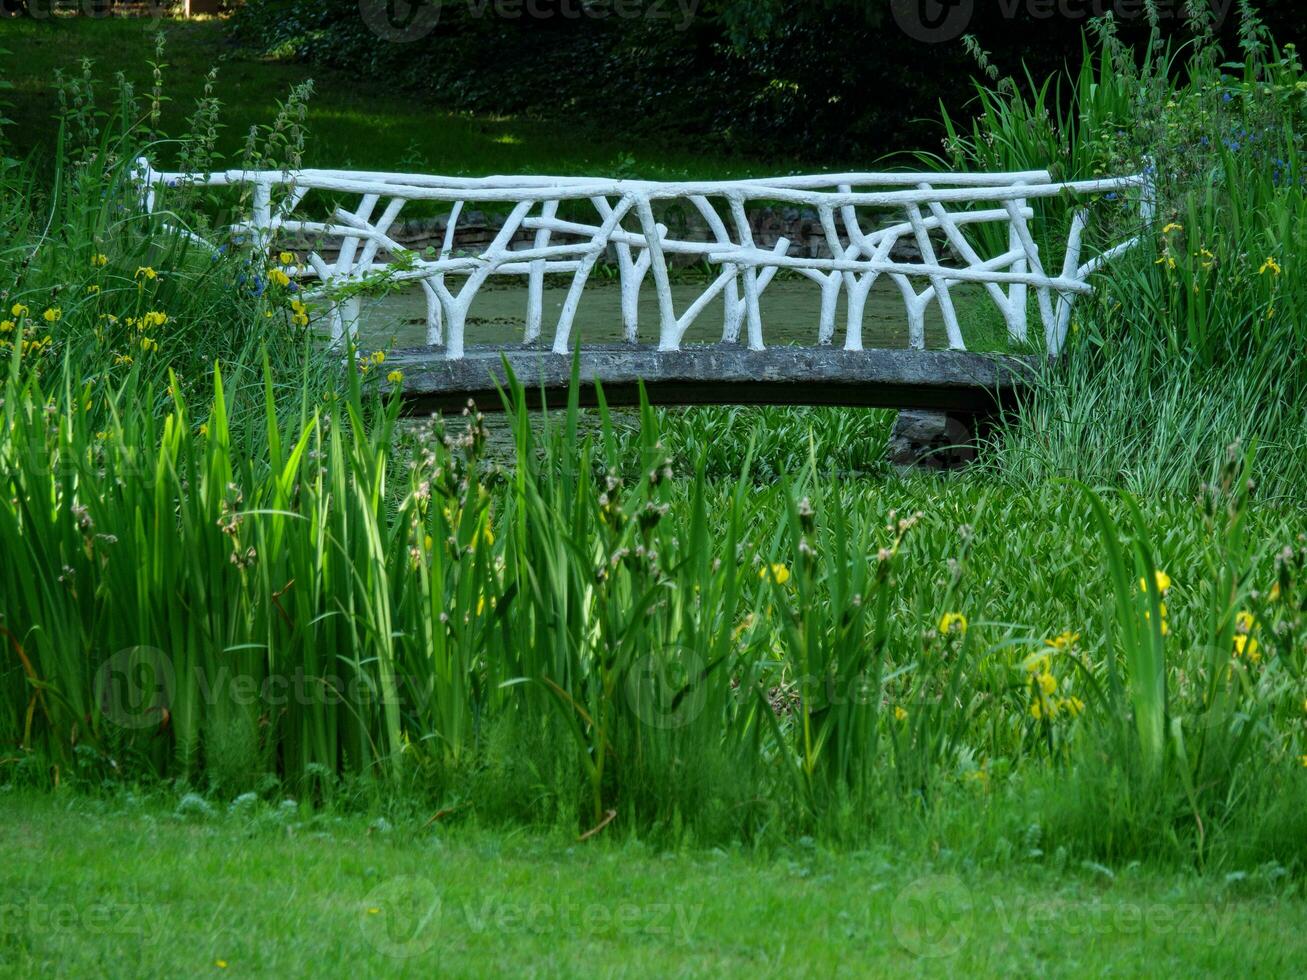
(929, 233)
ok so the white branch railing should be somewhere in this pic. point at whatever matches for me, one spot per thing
(863, 218)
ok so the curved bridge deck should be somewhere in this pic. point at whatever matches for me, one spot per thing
(958, 382)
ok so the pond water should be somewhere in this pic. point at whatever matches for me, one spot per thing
(790, 307)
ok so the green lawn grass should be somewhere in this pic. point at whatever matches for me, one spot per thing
(138, 888)
(355, 123)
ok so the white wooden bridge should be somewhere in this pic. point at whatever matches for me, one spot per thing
(982, 230)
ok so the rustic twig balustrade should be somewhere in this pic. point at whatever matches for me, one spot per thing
(571, 223)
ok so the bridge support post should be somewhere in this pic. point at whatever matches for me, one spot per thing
(345, 316)
(937, 440)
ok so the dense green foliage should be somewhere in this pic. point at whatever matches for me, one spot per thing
(229, 564)
(651, 70)
(827, 82)
(361, 123)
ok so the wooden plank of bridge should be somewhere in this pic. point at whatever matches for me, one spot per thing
(958, 382)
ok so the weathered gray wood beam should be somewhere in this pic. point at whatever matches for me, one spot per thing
(953, 381)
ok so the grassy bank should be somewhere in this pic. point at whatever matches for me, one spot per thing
(157, 890)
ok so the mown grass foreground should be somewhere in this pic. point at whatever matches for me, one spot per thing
(143, 889)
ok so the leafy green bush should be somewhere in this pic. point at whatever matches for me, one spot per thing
(121, 305)
(1198, 335)
(836, 83)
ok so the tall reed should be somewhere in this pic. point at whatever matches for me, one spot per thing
(1198, 335)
